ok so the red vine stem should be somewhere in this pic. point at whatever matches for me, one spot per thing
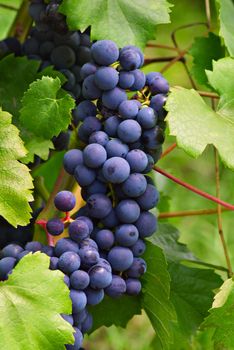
(168, 150)
(50, 239)
(194, 189)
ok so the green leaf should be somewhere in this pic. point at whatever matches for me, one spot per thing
(196, 125)
(221, 317)
(204, 50)
(226, 15)
(115, 311)
(123, 21)
(164, 203)
(16, 75)
(192, 295)
(31, 301)
(15, 179)
(221, 79)
(46, 109)
(156, 294)
(167, 237)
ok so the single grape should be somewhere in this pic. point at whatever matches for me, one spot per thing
(99, 277)
(95, 187)
(99, 137)
(90, 125)
(88, 69)
(89, 257)
(146, 224)
(153, 138)
(79, 279)
(133, 286)
(105, 52)
(65, 201)
(79, 300)
(139, 80)
(78, 230)
(157, 102)
(110, 220)
(72, 159)
(11, 250)
(116, 170)
(87, 324)
(99, 205)
(84, 175)
(69, 262)
(34, 246)
(94, 155)
(116, 148)
(158, 84)
(135, 185)
(129, 59)
(105, 239)
(83, 55)
(126, 79)
(129, 131)
(128, 109)
(126, 235)
(90, 90)
(63, 57)
(138, 248)
(137, 160)
(80, 317)
(71, 80)
(149, 198)
(85, 109)
(46, 48)
(111, 125)
(112, 98)
(64, 245)
(94, 297)
(54, 263)
(88, 243)
(147, 118)
(55, 227)
(106, 78)
(117, 287)
(6, 265)
(150, 77)
(137, 269)
(120, 258)
(31, 46)
(127, 211)
(22, 254)
(135, 48)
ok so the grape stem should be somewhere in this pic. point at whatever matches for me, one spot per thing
(50, 239)
(193, 189)
(168, 150)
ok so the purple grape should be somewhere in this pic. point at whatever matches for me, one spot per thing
(128, 109)
(6, 265)
(133, 286)
(79, 300)
(55, 227)
(79, 279)
(78, 230)
(146, 224)
(116, 148)
(135, 185)
(72, 159)
(127, 211)
(99, 277)
(99, 205)
(129, 131)
(116, 170)
(147, 118)
(105, 52)
(69, 262)
(149, 198)
(126, 235)
(112, 98)
(94, 155)
(84, 175)
(90, 90)
(105, 239)
(106, 78)
(64, 245)
(120, 258)
(111, 125)
(65, 201)
(137, 269)
(138, 248)
(137, 160)
(126, 79)
(117, 287)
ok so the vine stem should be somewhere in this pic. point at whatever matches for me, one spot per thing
(173, 61)
(208, 94)
(161, 46)
(22, 22)
(168, 150)
(183, 213)
(208, 15)
(161, 59)
(193, 189)
(219, 214)
(8, 7)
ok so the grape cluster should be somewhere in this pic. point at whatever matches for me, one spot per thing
(122, 140)
(85, 272)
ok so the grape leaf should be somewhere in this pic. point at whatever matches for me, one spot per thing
(192, 295)
(226, 14)
(16, 75)
(122, 21)
(156, 294)
(221, 79)
(221, 317)
(31, 302)
(46, 109)
(196, 125)
(115, 311)
(15, 179)
(167, 237)
(204, 50)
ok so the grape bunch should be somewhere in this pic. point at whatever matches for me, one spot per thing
(85, 272)
(122, 139)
